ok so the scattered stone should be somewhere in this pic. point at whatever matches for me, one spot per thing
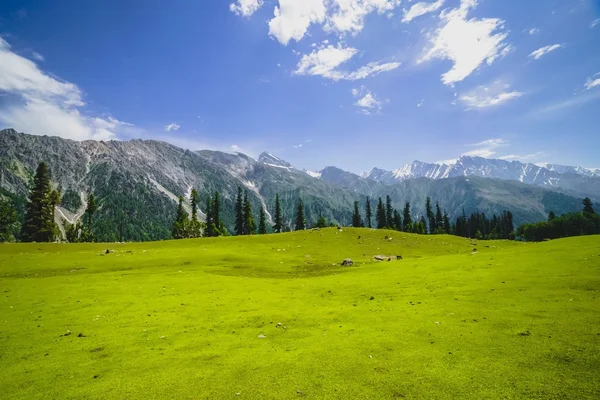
(347, 262)
(398, 257)
(261, 336)
(81, 335)
(379, 258)
(162, 337)
(474, 250)
(96, 376)
(372, 298)
(108, 251)
(67, 334)
(525, 333)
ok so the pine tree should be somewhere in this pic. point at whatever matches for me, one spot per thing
(397, 220)
(389, 213)
(239, 213)
(216, 214)
(368, 215)
(551, 216)
(210, 222)
(356, 220)
(300, 220)
(180, 226)
(407, 220)
(39, 225)
(195, 226)
(439, 218)
(88, 229)
(277, 228)
(380, 215)
(588, 207)
(8, 220)
(55, 200)
(249, 227)
(321, 222)
(262, 222)
(430, 215)
(447, 227)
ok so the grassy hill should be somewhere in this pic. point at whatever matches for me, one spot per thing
(278, 317)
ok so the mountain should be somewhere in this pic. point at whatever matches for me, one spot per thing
(140, 181)
(577, 180)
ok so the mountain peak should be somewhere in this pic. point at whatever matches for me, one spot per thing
(272, 160)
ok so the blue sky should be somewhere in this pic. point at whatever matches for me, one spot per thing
(351, 83)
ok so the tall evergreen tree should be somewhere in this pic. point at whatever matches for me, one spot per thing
(551, 216)
(321, 222)
(300, 220)
(407, 219)
(447, 227)
(239, 213)
(8, 220)
(195, 226)
(430, 215)
(397, 220)
(39, 225)
(210, 221)
(439, 218)
(380, 215)
(389, 213)
(588, 207)
(368, 215)
(216, 214)
(249, 226)
(356, 219)
(278, 218)
(180, 226)
(88, 229)
(262, 222)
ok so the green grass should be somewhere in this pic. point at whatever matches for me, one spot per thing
(182, 319)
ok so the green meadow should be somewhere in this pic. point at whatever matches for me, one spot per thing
(278, 317)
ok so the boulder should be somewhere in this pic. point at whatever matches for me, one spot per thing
(379, 258)
(347, 262)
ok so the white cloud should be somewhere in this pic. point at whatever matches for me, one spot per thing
(245, 7)
(419, 9)
(531, 158)
(490, 95)
(293, 17)
(592, 83)
(486, 149)
(466, 42)
(367, 102)
(421, 103)
(172, 127)
(349, 14)
(37, 56)
(533, 31)
(594, 23)
(44, 105)
(539, 53)
(326, 60)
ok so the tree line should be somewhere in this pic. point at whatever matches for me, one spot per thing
(586, 222)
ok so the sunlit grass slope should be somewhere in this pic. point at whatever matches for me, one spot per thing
(277, 317)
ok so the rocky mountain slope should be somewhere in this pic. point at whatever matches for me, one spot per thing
(139, 181)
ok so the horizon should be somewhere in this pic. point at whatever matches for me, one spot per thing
(314, 84)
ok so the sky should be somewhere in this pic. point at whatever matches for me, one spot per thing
(352, 83)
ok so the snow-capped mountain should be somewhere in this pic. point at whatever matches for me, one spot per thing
(563, 169)
(274, 161)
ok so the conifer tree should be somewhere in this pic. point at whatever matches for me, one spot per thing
(447, 228)
(439, 218)
(278, 219)
(8, 220)
(216, 214)
(389, 213)
(356, 220)
(300, 220)
(321, 222)
(368, 215)
(551, 216)
(262, 222)
(588, 207)
(239, 213)
(210, 222)
(39, 225)
(180, 226)
(380, 215)
(407, 219)
(195, 226)
(397, 220)
(249, 226)
(430, 216)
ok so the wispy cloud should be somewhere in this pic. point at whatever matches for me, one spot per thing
(485, 96)
(45, 105)
(326, 60)
(594, 23)
(245, 7)
(172, 127)
(367, 102)
(486, 148)
(539, 53)
(467, 42)
(592, 82)
(533, 31)
(37, 56)
(420, 9)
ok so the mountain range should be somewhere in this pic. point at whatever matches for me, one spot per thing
(140, 182)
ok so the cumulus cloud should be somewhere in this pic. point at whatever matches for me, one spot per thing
(347, 16)
(468, 43)
(293, 18)
(245, 7)
(41, 104)
(325, 61)
(485, 96)
(172, 127)
(419, 9)
(367, 102)
(539, 53)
